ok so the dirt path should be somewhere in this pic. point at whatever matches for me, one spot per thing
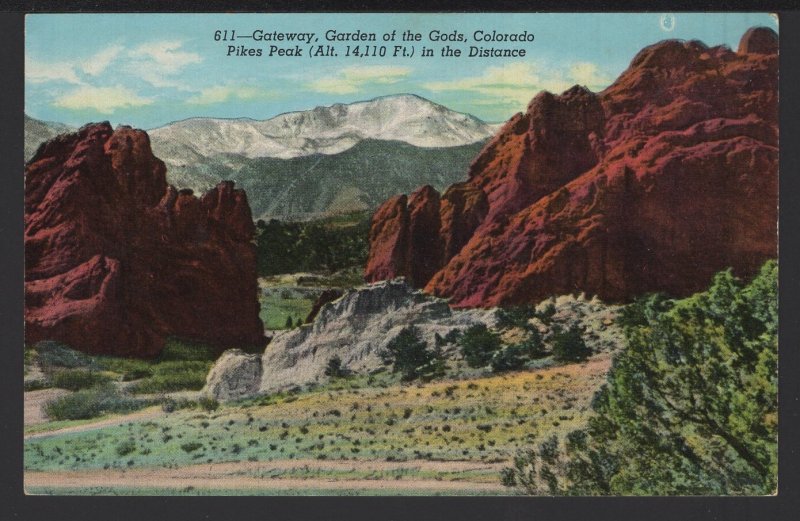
(239, 475)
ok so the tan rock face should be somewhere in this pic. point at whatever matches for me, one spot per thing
(656, 183)
(117, 260)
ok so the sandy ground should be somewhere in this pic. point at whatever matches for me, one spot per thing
(243, 475)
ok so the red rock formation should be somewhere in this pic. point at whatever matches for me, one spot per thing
(656, 183)
(463, 208)
(405, 234)
(117, 260)
(388, 238)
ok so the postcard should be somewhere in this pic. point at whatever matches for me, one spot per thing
(401, 254)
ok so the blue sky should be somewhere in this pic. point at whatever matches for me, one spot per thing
(147, 70)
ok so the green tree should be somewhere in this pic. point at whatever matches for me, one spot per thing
(334, 369)
(478, 345)
(411, 357)
(568, 346)
(690, 406)
(289, 323)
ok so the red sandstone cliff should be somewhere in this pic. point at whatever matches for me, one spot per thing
(117, 259)
(664, 178)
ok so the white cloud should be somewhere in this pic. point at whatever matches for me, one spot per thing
(222, 93)
(39, 72)
(589, 75)
(157, 62)
(167, 56)
(99, 62)
(104, 100)
(517, 82)
(350, 79)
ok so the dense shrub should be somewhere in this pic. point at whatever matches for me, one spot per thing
(334, 368)
(410, 356)
(128, 368)
(478, 345)
(126, 447)
(77, 379)
(568, 346)
(509, 358)
(182, 350)
(208, 403)
(90, 403)
(52, 355)
(174, 376)
(690, 406)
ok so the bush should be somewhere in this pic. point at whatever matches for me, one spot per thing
(77, 379)
(547, 314)
(53, 355)
(411, 357)
(183, 350)
(508, 359)
(334, 368)
(90, 403)
(174, 376)
(691, 404)
(516, 316)
(36, 385)
(129, 368)
(126, 447)
(191, 446)
(568, 346)
(208, 403)
(478, 345)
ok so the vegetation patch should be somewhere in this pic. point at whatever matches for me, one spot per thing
(690, 406)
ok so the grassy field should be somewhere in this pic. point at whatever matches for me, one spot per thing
(275, 309)
(358, 434)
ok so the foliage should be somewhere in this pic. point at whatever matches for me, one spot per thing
(128, 368)
(334, 368)
(411, 357)
(478, 345)
(77, 379)
(508, 358)
(568, 346)
(326, 245)
(690, 407)
(208, 403)
(53, 354)
(126, 447)
(515, 316)
(90, 403)
(174, 376)
(185, 350)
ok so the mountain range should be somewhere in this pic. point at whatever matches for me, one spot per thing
(327, 160)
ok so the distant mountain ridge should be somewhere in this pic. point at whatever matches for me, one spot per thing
(37, 132)
(322, 130)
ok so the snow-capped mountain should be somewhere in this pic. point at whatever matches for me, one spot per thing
(322, 130)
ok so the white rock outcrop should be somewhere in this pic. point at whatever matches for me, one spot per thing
(235, 375)
(356, 328)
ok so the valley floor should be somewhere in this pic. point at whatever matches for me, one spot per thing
(359, 436)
